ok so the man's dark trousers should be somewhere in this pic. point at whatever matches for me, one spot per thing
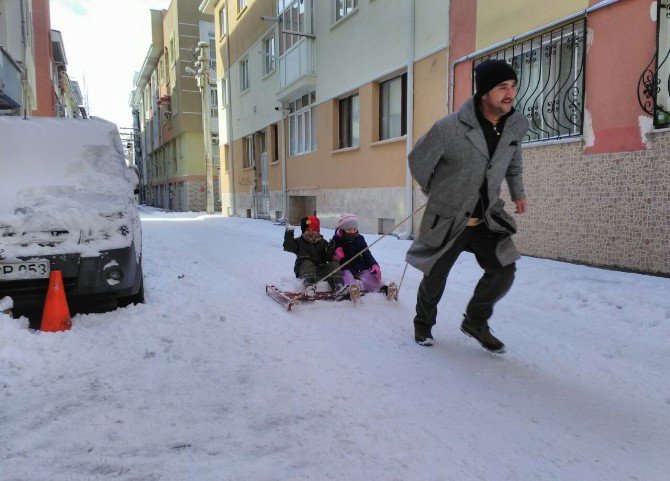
(493, 285)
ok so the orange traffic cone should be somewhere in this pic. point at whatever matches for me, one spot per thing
(56, 314)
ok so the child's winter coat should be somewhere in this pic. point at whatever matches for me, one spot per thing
(319, 252)
(352, 245)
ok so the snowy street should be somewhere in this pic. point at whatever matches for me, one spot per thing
(213, 380)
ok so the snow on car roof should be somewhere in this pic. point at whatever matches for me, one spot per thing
(40, 152)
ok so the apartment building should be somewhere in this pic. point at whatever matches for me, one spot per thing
(169, 106)
(323, 127)
(33, 64)
(593, 82)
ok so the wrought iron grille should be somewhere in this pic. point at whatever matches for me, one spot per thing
(653, 88)
(550, 70)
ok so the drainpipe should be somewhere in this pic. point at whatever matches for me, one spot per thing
(229, 119)
(510, 40)
(282, 158)
(409, 143)
(24, 68)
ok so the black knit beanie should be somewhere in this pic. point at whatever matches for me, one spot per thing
(490, 73)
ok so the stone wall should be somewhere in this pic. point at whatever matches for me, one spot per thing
(608, 210)
(195, 196)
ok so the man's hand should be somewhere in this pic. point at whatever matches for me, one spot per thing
(521, 206)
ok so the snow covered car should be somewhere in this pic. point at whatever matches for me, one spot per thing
(67, 203)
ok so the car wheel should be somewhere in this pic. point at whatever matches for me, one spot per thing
(136, 298)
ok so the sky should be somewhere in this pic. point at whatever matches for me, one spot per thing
(105, 44)
(211, 380)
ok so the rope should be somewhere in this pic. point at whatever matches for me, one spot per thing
(368, 247)
(403, 276)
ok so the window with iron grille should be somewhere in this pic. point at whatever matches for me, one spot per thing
(654, 83)
(550, 70)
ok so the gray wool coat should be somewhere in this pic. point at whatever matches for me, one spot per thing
(450, 163)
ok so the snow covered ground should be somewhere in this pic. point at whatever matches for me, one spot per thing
(212, 380)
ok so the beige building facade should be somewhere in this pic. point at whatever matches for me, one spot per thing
(170, 110)
(323, 128)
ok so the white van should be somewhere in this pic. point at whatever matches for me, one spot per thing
(67, 203)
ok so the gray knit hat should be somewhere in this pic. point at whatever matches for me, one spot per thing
(348, 221)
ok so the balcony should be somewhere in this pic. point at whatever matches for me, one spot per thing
(296, 69)
(10, 82)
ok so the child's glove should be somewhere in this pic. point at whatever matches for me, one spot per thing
(339, 254)
(376, 271)
(289, 227)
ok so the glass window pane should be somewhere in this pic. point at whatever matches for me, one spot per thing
(395, 108)
(293, 134)
(308, 131)
(355, 125)
(313, 127)
(384, 114)
(301, 134)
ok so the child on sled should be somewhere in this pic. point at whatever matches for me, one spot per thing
(314, 256)
(362, 273)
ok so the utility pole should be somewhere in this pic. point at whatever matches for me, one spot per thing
(202, 79)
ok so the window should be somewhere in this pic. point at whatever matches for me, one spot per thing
(550, 70)
(215, 150)
(241, 5)
(166, 64)
(223, 20)
(393, 108)
(244, 75)
(213, 102)
(249, 152)
(172, 52)
(302, 125)
(268, 54)
(349, 122)
(275, 142)
(293, 19)
(212, 51)
(344, 8)
(223, 84)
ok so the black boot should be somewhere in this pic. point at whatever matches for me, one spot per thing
(481, 333)
(422, 334)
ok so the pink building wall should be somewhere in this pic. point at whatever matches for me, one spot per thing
(46, 99)
(623, 41)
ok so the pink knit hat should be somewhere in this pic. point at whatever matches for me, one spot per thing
(348, 221)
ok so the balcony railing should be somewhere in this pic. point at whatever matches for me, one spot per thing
(297, 62)
(10, 82)
(653, 90)
(550, 70)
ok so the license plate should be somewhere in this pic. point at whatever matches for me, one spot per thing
(24, 270)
